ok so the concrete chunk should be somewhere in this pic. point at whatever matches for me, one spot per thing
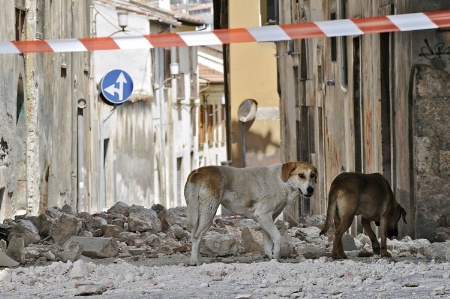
(142, 220)
(26, 230)
(97, 247)
(72, 251)
(44, 223)
(252, 240)
(16, 249)
(90, 289)
(119, 208)
(66, 226)
(6, 261)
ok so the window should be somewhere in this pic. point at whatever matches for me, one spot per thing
(269, 12)
(20, 23)
(333, 42)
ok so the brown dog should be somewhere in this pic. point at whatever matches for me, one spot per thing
(368, 195)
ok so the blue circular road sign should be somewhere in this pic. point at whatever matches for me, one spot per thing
(116, 87)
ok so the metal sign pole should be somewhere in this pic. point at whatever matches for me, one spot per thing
(243, 144)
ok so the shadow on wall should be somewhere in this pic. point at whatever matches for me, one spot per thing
(260, 149)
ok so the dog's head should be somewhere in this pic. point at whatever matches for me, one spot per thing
(300, 175)
(396, 213)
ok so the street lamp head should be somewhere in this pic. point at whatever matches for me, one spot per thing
(123, 19)
(174, 69)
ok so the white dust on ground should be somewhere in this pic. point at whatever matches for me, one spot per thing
(170, 277)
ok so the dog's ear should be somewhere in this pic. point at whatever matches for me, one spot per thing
(316, 173)
(286, 170)
(403, 213)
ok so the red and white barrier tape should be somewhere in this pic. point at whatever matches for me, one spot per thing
(404, 22)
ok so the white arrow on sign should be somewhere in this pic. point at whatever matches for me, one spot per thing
(112, 88)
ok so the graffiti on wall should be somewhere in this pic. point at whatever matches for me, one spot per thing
(432, 52)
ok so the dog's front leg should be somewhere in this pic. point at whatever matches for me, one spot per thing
(373, 238)
(383, 237)
(272, 240)
(195, 252)
(268, 244)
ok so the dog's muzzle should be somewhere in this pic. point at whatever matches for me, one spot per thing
(309, 190)
(392, 233)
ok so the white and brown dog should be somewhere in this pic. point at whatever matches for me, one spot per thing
(260, 193)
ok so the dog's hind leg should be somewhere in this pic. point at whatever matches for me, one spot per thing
(373, 238)
(207, 211)
(342, 224)
(337, 251)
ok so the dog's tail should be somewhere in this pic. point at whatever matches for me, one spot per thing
(331, 211)
(191, 192)
(192, 201)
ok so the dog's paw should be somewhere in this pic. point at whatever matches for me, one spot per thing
(376, 250)
(194, 263)
(339, 256)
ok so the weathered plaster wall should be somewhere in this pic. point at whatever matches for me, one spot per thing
(12, 123)
(12, 138)
(129, 166)
(61, 79)
(38, 114)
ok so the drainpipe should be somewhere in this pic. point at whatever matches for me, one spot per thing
(81, 170)
(174, 69)
(159, 96)
(74, 112)
(227, 101)
(101, 197)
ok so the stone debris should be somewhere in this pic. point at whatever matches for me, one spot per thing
(65, 227)
(78, 270)
(90, 289)
(26, 230)
(134, 231)
(6, 261)
(219, 244)
(252, 240)
(51, 270)
(96, 247)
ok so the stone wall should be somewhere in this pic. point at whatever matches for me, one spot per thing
(431, 133)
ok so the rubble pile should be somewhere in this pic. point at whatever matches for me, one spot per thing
(60, 254)
(134, 231)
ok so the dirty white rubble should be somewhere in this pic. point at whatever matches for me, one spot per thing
(103, 258)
